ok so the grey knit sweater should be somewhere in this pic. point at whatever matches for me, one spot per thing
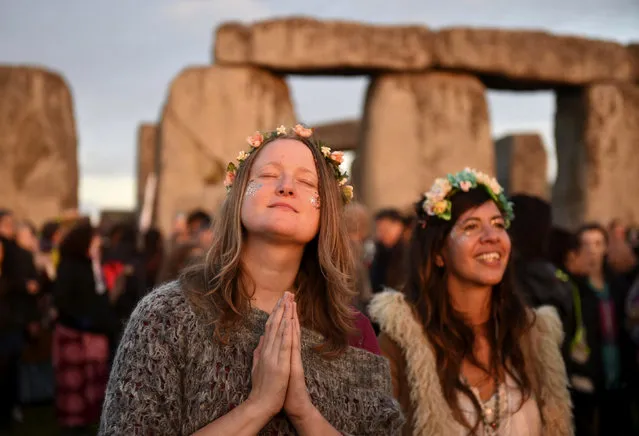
(170, 377)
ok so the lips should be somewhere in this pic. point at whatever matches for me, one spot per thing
(281, 205)
(489, 258)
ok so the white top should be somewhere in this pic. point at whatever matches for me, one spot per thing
(514, 421)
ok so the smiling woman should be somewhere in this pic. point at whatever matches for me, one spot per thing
(465, 352)
(262, 338)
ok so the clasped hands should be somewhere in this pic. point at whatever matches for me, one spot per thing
(277, 373)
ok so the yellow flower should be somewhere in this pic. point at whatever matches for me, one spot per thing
(440, 207)
(347, 190)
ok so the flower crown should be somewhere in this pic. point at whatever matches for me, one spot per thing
(437, 201)
(333, 158)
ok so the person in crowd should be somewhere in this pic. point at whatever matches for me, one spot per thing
(86, 323)
(467, 355)
(12, 325)
(153, 257)
(358, 226)
(603, 365)
(535, 275)
(262, 337)
(387, 268)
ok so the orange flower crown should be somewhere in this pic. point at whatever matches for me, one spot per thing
(332, 158)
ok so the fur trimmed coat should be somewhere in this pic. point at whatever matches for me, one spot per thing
(417, 386)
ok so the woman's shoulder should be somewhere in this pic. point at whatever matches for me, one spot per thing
(389, 308)
(165, 304)
(546, 323)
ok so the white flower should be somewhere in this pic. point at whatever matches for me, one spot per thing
(281, 130)
(326, 151)
(242, 156)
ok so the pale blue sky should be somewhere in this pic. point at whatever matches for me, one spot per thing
(119, 57)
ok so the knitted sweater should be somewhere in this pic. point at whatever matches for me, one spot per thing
(170, 377)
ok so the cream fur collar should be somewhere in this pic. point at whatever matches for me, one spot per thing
(432, 415)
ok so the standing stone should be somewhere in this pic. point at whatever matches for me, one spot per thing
(418, 127)
(522, 165)
(208, 115)
(597, 135)
(38, 144)
(147, 157)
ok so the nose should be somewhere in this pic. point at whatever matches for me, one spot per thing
(491, 234)
(286, 187)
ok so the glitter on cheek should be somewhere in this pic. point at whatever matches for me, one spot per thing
(315, 201)
(252, 188)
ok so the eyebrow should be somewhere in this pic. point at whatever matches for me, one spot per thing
(474, 218)
(279, 166)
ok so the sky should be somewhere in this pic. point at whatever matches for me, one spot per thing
(119, 57)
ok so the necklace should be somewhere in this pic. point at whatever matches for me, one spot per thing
(491, 418)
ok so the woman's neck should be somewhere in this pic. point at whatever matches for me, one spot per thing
(473, 301)
(271, 268)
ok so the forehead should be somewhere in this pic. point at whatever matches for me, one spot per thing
(592, 235)
(486, 210)
(288, 153)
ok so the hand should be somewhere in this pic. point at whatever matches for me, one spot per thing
(298, 405)
(272, 360)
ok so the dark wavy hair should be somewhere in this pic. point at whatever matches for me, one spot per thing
(451, 337)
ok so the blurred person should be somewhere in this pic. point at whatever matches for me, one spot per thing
(262, 337)
(467, 356)
(85, 326)
(154, 257)
(358, 226)
(536, 277)
(387, 267)
(604, 367)
(12, 324)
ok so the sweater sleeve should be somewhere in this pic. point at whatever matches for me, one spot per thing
(144, 393)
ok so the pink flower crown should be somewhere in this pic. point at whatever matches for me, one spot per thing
(332, 158)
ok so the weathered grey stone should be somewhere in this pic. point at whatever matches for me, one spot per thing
(522, 165)
(232, 44)
(38, 144)
(305, 45)
(597, 131)
(147, 157)
(418, 127)
(340, 135)
(529, 56)
(208, 115)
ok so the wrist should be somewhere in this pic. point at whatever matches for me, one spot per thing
(306, 417)
(257, 410)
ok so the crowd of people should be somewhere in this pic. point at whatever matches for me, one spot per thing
(296, 311)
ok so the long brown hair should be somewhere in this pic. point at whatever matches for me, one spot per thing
(325, 286)
(450, 335)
